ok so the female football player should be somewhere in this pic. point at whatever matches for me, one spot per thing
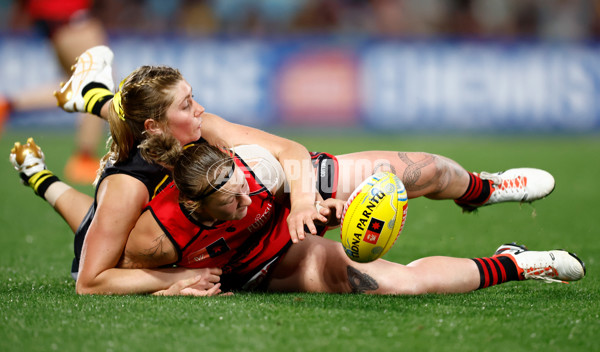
(157, 100)
(218, 213)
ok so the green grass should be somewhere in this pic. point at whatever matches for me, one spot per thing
(41, 312)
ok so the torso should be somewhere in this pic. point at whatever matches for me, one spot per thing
(235, 246)
(152, 176)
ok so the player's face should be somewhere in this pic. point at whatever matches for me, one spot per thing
(230, 202)
(185, 115)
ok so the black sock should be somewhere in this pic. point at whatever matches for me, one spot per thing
(41, 181)
(95, 95)
(496, 270)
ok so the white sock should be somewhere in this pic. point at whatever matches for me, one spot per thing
(55, 191)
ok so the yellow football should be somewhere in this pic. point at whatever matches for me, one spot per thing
(373, 217)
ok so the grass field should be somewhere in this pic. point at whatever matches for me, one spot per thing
(41, 312)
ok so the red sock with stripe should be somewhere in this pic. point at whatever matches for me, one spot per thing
(478, 191)
(496, 270)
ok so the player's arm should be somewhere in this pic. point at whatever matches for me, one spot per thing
(120, 200)
(294, 158)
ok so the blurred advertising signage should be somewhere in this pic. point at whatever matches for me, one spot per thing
(420, 85)
(383, 84)
(318, 87)
(480, 86)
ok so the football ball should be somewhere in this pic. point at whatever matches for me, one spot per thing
(373, 217)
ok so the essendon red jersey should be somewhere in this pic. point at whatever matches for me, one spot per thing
(237, 247)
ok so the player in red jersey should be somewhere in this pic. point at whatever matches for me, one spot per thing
(243, 244)
(219, 214)
(71, 29)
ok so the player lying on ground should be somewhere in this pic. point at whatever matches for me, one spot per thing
(157, 100)
(235, 223)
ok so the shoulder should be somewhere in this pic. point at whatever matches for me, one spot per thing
(122, 188)
(152, 176)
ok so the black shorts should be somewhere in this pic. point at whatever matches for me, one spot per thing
(256, 280)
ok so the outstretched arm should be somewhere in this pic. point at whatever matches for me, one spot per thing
(120, 201)
(294, 158)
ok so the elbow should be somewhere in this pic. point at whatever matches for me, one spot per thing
(88, 287)
(83, 289)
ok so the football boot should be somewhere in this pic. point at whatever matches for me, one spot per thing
(92, 70)
(27, 159)
(523, 185)
(550, 266)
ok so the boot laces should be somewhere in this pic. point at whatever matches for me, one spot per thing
(505, 186)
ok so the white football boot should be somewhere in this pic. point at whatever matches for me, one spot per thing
(515, 185)
(550, 266)
(27, 159)
(93, 66)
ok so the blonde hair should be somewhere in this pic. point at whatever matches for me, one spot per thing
(145, 94)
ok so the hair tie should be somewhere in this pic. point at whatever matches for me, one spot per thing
(117, 102)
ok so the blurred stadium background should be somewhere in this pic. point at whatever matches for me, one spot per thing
(409, 65)
(490, 83)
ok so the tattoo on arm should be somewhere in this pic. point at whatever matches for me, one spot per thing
(360, 282)
(145, 258)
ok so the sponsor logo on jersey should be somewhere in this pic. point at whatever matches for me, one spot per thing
(217, 248)
(261, 219)
(212, 250)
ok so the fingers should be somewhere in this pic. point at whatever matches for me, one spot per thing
(215, 290)
(323, 210)
(213, 279)
(339, 209)
(215, 271)
(179, 286)
(302, 221)
(196, 286)
(190, 291)
(299, 230)
(296, 229)
(334, 203)
(212, 274)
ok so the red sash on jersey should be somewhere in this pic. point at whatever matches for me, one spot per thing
(235, 246)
